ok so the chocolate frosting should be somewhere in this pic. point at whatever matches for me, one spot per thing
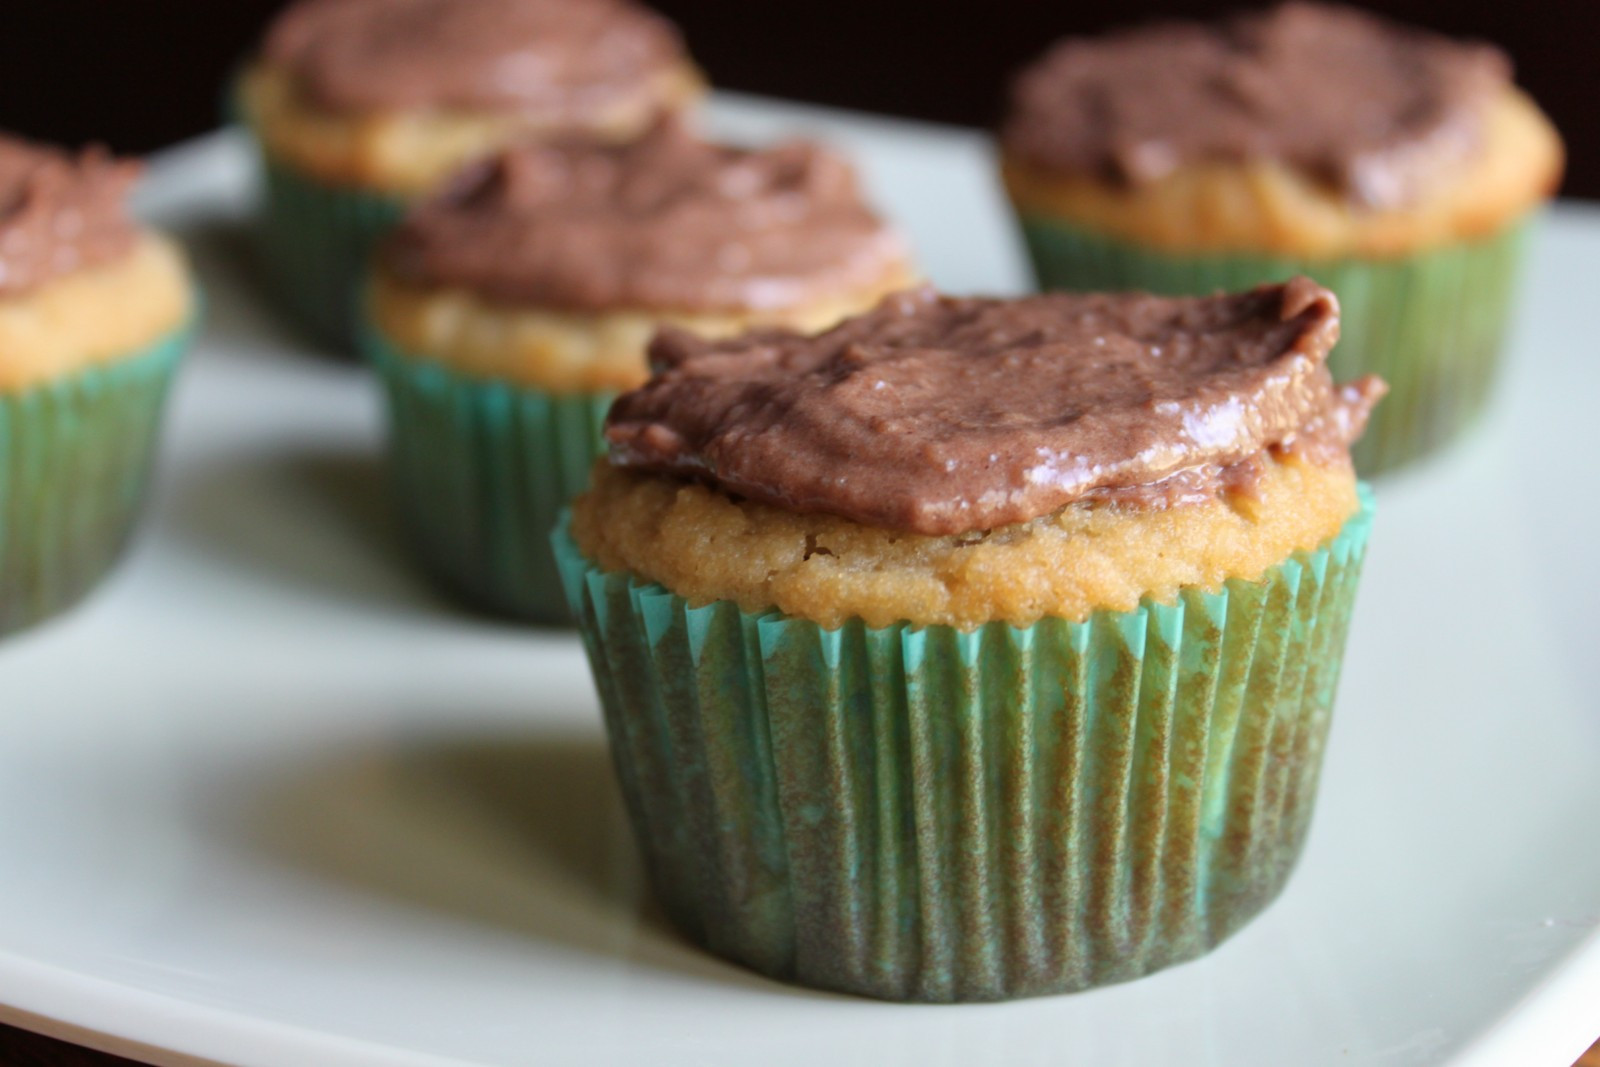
(1372, 108)
(669, 222)
(937, 415)
(60, 212)
(555, 60)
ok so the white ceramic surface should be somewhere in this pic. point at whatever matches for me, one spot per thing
(267, 801)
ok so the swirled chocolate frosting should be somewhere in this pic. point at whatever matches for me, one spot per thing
(1372, 108)
(669, 222)
(938, 415)
(556, 60)
(60, 212)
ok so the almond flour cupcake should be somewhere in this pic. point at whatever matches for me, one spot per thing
(507, 312)
(976, 649)
(1397, 166)
(94, 313)
(361, 105)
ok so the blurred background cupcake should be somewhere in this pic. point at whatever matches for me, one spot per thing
(506, 313)
(976, 649)
(94, 313)
(361, 105)
(1394, 165)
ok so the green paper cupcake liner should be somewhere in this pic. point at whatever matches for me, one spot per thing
(928, 814)
(482, 470)
(75, 461)
(1431, 325)
(315, 240)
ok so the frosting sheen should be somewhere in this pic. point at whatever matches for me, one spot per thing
(937, 415)
(669, 222)
(60, 212)
(1372, 108)
(558, 60)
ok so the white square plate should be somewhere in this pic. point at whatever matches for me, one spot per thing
(265, 800)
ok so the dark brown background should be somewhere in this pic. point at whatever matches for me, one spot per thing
(142, 73)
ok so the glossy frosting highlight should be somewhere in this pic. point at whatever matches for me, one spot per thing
(60, 212)
(1375, 109)
(937, 415)
(557, 60)
(668, 223)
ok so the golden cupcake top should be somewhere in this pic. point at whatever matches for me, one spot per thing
(61, 212)
(1376, 110)
(558, 61)
(666, 223)
(937, 415)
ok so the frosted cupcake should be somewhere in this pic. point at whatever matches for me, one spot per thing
(94, 313)
(362, 105)
(976, 649)
(508, 311)
(1397, 166)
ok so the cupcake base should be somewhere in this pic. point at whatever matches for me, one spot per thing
(936, 815)
(481, 471)
(315, 241)
(75, 461)
(1431, 325)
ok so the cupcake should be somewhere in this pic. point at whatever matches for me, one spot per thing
(976, 649)
(94, 312)
(508, 311)
(1398, 167)
(362, 105)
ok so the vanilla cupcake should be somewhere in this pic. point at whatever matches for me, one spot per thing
(1397, 166)
(976, 649)
(94, 313)
(362, 105)
(507, 312)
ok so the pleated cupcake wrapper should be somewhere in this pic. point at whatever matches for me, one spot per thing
(75, 461)
(482, 470)
(1431, 325)
(936, 815)
(315, 242)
